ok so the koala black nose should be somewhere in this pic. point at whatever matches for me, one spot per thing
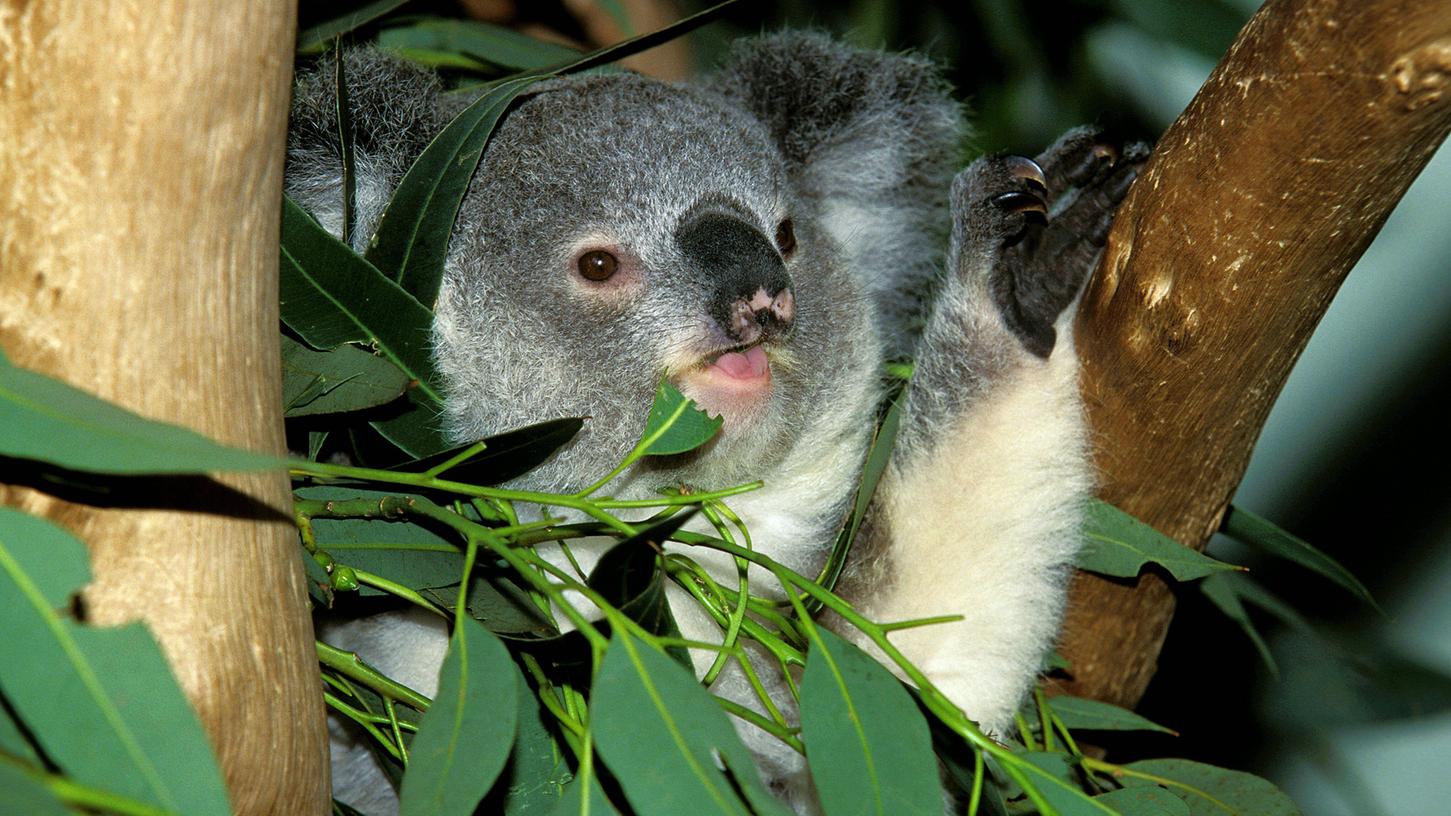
(750, 291)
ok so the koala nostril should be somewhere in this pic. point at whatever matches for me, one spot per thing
(783, 307)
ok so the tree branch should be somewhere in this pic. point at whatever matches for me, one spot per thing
(1228, 250)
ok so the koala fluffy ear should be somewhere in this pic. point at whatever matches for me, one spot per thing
(395, 109)
(872, 138)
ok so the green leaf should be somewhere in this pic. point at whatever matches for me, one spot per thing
(412, 239)
(878, 456)
(1060, 766)
(476, 42)
(666, 741)
(468, 732)
(1206, 28)
(1092, 715)
(397, 548)
(505, 456)
(497, 600)
(1248, 528)
(867, 744)
(1224, 591)
(583, 796)
(1334, 684)
(1119, 545)
(330, 296)
(315, 35)
(1144, 801)
(141, 739)
(26, 795)
(629, 577)
(420, 558)
(44, 419)
(675, 424)
(1047, 775)
(1211, 791)
(329, 382)
(415, 428)
(533, 782)
(13, 742)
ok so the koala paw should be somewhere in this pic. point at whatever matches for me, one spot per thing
(1035, 228)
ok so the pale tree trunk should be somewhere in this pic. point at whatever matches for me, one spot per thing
(1225, 255)
(141, 148)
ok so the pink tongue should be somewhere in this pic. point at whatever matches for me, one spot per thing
(743, 365)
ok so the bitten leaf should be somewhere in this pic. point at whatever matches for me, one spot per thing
(675, 424)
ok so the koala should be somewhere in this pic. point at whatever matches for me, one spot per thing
(766, 239)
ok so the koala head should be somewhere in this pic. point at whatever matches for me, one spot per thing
(757, 239)
(621, 231)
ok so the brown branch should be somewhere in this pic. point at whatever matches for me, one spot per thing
(1253, 208)
(141, 147)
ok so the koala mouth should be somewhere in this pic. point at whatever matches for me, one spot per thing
(746, 364)
(732, 384)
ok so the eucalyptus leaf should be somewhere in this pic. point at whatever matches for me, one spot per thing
(878, 456)
(141, 739)
(1357, 681)
(13, 742)
(867, 745)
(415, 427)
(345, 378)
(44, 419)
(317, 34)
(1094, 715)
(1045, 776)
(412, 239)
(675, 424)
(629, 577)
(1224, 592)
(583, 796)
(330, 296)
(497, 601)
(533, 782)
(468, 733)
(399, 549)
(505, 456)
(1205, 28)
(1060, 766)
(1248, 528)
(26, 795)
(1119, 545)
(1211, 791)
(1144, 801)
(666, 741)
(476, 43)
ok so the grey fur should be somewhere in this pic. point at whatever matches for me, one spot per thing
(857, 149)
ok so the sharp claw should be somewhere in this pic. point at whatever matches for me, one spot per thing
(1028, 171)
(1030, 205)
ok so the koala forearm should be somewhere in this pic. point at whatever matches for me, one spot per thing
(984, 524)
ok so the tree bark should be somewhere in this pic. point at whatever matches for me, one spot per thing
(141, 147)
(1226, 253)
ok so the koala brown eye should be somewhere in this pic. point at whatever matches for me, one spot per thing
(598, 265)
(786, 238)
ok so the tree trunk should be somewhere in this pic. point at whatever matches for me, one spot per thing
(141, 147)
(1254, 206)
